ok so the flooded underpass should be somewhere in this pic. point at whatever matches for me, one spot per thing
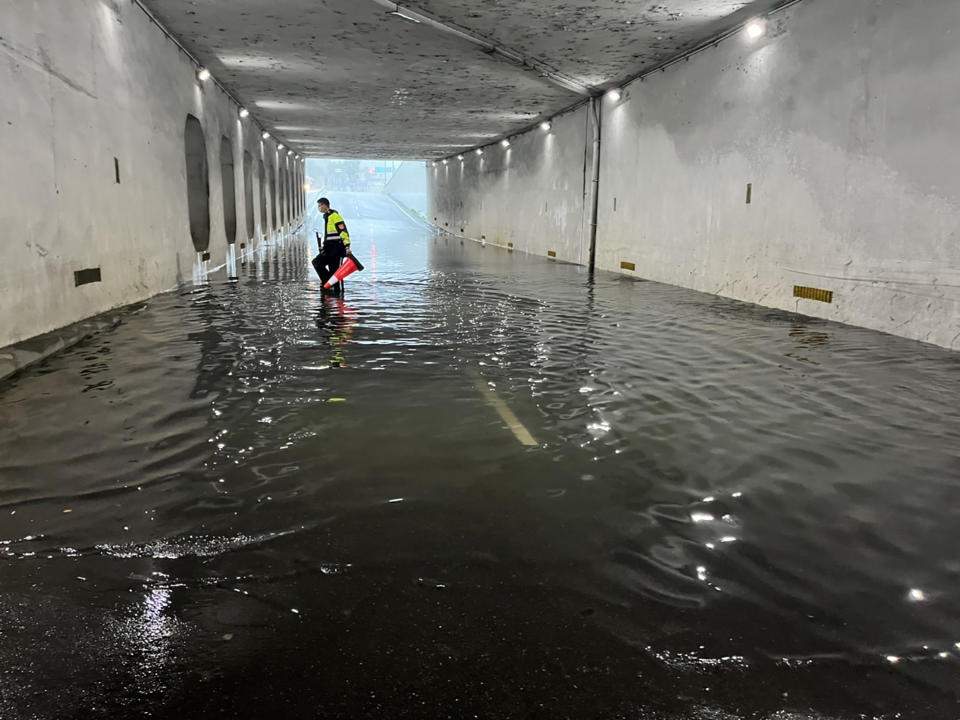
(480, 485)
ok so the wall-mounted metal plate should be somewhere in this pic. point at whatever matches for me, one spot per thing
(628, 265)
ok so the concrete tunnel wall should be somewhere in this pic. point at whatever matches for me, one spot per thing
(843, 122)
(86, 82)
(530, 194)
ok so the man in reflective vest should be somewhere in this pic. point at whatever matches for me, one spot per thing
(334, 246)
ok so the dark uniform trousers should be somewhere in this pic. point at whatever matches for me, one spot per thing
(326, 263)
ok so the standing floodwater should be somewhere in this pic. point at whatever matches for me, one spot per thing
(481, 485)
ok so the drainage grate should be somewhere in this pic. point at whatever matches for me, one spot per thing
(810, 293)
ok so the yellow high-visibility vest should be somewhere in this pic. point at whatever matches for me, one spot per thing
(336, 228)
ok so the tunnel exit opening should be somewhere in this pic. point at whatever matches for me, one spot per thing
(405, 182)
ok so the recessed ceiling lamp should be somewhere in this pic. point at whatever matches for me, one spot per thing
(614, 94)
(244, 113)
(756, 28)
(546, 125)
(505, 143)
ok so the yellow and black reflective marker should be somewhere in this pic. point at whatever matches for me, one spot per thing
(809, 293)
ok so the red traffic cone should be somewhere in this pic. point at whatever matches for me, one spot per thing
(349, 266)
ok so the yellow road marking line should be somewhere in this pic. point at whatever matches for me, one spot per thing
(506, 414)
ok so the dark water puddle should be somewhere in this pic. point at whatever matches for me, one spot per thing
(246, 501)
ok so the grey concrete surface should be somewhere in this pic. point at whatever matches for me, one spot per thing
(408, 186)
(343, 78)
(85, 83)
(839, 120)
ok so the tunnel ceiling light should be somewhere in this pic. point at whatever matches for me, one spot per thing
(546, 125)
(289, 152)
(478, 151)
(460, 158)
(244, 113)
(203, 74)
(505, 143)
(614, 94)
(265, 135)
(445, 162)
(756, 28)
(280, 146)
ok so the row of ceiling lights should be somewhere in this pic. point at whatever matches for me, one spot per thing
(755, 29)
(203, 75)
(546, 126)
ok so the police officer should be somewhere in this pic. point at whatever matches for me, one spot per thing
(334, 246)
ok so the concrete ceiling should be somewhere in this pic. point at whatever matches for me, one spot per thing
(345, 78)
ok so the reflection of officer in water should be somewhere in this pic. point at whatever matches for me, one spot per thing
(338, 319)
(334, 245)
